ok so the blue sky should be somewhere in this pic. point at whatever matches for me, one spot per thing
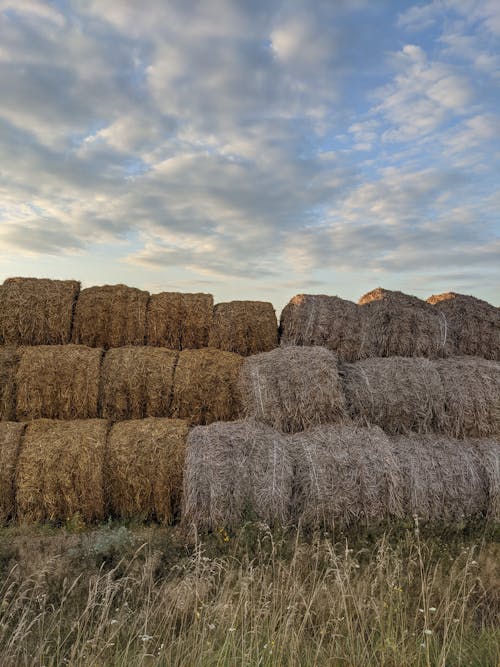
(252, 148)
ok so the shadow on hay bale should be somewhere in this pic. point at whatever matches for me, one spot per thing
(110, 316)
(245, 327)
(8, 368)
(60, 471)
(235, 472)
(489, 450)
(37, 311)
(293, 388)
(10, 443)
(179, 321)
(144, 468)
(137, 382)
(58, 382)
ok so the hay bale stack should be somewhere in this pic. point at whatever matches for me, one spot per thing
(110, 316)
(179, 321)
(489, 450)
(293, 388)
(58, 382)
(345, 474)
(137, 382)
(37, 311)
(396, 393)
(60, 470)
(10, 443)
(245, 327)
(207, 386)
(8, 368)
(236, 472)
(471, 392)
(145, 460)
(473, 325)
(327, 321)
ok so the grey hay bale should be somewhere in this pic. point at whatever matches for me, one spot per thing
(110, 316)
(37, 311)
(489, 450)
(327, 321)
(8, 367)
(345, 474)
(235, 472)
(179, 321)
(396, 393)
(245, 327)
(137, 382)
(10, 443)
(293, 388)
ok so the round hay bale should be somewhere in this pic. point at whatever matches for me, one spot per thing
(236, 472)
(473, 325)
(396, 393)
(293, 388)
(10, 443)
(37, 311)
(345, 474)
(137, 382)
(179, 321)
(110, 316)
(327, 321)
(60, 471)
(246, 327)
(471, 392)
(145, 460)
(207, 386)
(58, 382)
(8, 368)
(489, 451)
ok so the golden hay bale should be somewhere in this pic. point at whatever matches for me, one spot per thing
(137, 382)
(293, 388)
(10, 442)
(60, 470)
(396, 393)
(327, 321)
(345, 474)
(207, 386)
(471, 392)
(236, 472)
(489, 450)
(473, 325)
(144, 468)
(179, 321)
(110, 316)
(8, 367)
(58, 382)
(246, 327)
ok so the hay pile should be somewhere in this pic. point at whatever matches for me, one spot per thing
(37, 311)
(328, 321)
(144, 467)
(60, 471)
(396, 393)
(293, 388)
(246, 327)
(110, 316)
(10, 442)
(137, 382)
(207, 386)
(489, 451)
(8, 368)
(58, 382)
(179, 321)
(473, 325)
(236, 472)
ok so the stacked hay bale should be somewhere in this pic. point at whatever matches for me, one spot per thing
(8, 369)
(10, 442)
(144, 468)
(58, 382)
(489, 450)
(179, 321)
(36, 311)
(245, 327)
(110, 316)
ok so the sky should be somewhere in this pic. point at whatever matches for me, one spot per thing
(253, 149)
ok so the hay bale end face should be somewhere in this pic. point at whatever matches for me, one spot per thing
(137, 382)
(144, 468)
(58, 382)
(179, 321)
(8, 368)
(293, 388)
(110, 316)
(60, 471)
(245, 327)
(10, 443)
(37, 311)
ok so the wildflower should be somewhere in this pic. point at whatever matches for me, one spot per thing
(211, 626)
(113, 621)
(146, 638)
(232, 629)
(433, 609)
(456, 620)
(421, 610)
(427, 631)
